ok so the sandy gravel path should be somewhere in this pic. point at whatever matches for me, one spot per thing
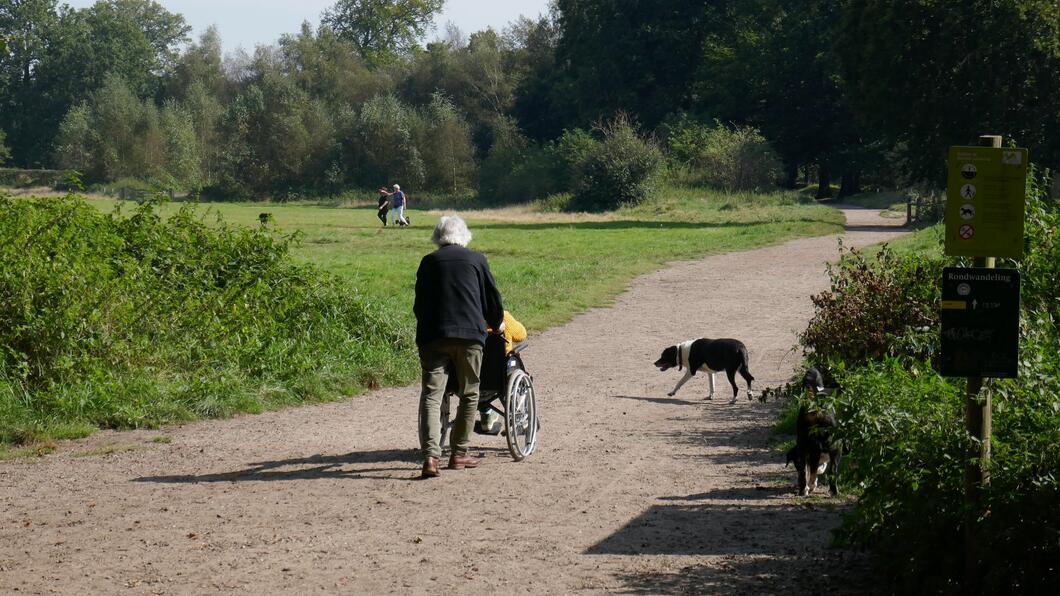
(630, 491)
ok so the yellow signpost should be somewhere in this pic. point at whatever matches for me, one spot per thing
(986, 192)
(985, 203)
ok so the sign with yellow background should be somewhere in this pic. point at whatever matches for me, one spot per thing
(985, 198)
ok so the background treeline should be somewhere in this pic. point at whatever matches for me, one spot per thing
(734, 94)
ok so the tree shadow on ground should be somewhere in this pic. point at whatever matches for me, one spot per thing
(756, 547)
(829, 573)
(356, 465)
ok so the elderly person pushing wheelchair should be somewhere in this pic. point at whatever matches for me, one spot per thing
(456, 297)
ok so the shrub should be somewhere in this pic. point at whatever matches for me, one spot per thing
(129, 321)
(731, 158)
(518, 171)
(902, 424)
(619, 171)
(873, 307)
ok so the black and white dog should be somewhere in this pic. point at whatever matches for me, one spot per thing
(814, 452)
(710, 356)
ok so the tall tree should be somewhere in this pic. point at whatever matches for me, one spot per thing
(381, 29)
(776, 69)
(26, 26)
(64, 56)
(630, 56)
(931, 76)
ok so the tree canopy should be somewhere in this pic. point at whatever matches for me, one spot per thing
(850, 91)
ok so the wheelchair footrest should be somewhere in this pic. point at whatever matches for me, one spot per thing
(494, 429)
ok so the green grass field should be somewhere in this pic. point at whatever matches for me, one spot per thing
(549, 265)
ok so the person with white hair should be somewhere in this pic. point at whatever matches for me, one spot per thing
(456, 298)
(398, 201)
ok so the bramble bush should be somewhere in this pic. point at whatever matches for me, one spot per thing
(120, 321)
(902, 424)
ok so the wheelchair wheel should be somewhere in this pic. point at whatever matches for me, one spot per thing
(520, 415)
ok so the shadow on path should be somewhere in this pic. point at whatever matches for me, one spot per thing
(354, 465)
(658, 400)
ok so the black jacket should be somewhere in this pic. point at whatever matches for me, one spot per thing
(456, 296)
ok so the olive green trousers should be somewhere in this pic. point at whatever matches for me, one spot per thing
(464, 358)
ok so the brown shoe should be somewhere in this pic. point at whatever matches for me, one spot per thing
(459, 462)
(430, 468)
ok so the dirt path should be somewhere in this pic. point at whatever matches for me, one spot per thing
(630, 491)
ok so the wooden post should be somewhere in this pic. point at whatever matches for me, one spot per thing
(978, 421)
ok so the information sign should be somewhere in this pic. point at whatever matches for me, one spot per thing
(980, 322)
(985, 197)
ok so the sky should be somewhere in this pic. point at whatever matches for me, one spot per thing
(247, 23)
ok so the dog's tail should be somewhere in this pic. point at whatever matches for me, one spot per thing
(790, 456)
(744, 370)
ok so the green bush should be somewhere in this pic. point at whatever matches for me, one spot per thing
(130, 321)
(874, 307)
(518, 171)
(902, 425)
(619, 171)
(730, 158)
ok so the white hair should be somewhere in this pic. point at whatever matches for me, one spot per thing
(396, 187)
(451, 229)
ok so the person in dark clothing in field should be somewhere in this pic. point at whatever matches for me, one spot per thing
(456, 298)
(384, 205)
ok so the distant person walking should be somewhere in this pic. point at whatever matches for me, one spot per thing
(456, 298)
(384, 205)
(397, 206)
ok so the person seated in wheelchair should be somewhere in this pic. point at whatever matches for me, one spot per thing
(514, 333)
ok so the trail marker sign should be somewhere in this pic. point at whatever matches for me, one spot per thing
(985, 199)
(980, 322)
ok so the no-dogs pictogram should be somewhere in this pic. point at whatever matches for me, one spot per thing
(966, 232)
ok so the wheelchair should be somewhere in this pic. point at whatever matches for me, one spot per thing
(506, 388)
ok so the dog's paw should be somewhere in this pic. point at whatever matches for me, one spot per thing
(733, 400)
(672, 393)
(710, 397)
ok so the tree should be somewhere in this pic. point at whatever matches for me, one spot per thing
(5, 153)
(381, 29)
(929, 76)
(201, 63)
(448, 154)
(330, 68)
(630, 56)
(277, 138)
(63, 56)
(26, 26)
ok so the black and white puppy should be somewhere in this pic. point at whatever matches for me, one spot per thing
(710, 356)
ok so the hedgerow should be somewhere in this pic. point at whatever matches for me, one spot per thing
(902, 424)
(115, 320)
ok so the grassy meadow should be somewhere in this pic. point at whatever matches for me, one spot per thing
(220, 339)
(549, 266)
